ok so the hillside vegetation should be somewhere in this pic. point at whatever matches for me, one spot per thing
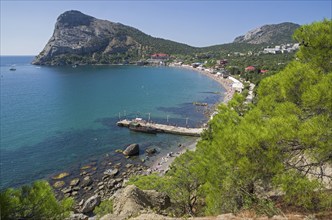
(270, 157)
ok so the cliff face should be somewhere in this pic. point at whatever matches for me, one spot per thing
(79, 38)
(271, 34)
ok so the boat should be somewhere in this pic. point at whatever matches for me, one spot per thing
(139, 128)
(12, 68)
(200, 103)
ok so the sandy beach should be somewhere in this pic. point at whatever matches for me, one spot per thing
(163, 162)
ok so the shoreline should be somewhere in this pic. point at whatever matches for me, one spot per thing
(163, 162)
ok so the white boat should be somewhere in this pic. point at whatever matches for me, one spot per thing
(12, 68)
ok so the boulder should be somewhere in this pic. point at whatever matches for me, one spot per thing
(60, 176)
(87, 181)
(58, 184)
(131, 150)
(151, 150)
(77, 216)
(131, 201)
(90, 204)
(74, 182)
(111, 172)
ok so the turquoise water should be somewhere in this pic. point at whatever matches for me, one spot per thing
(53, 118)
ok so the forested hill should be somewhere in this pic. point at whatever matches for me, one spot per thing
(82, 39)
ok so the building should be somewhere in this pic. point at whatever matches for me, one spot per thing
(160, 56)
(250, 68)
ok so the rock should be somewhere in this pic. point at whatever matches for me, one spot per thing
(66, 190)
(86, 167)
(111, 183)
(111, 172)
(90, 204)
(60, 176)
(76, 188)
(87, 181)
(58, 184)
(81, 202)
(74, 182)
(151, 151)
(131, 150)
(228, 216)
(129, 165)
(74, 193)
(78, 216)
(132, 200)
(83, 173)
(118, 151)
(118, 165)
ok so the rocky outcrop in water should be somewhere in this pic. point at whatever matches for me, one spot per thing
(131, 150)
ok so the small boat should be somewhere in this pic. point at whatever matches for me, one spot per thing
(139, 128)
(12, 68)
(200, 103)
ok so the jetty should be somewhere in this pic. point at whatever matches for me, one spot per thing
(162, 128)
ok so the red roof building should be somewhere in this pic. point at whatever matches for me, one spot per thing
(264, 71)
(159, 56)
(250, 68)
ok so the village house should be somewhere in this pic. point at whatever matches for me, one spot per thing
(160, 56)
(249, 68)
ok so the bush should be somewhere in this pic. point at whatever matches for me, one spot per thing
(36, 201)
(104, 208)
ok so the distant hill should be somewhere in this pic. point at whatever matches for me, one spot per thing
(79, 38)
(270, 34)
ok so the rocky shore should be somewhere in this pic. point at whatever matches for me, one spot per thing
(101, 180)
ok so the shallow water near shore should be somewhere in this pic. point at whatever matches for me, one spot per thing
(61, 118)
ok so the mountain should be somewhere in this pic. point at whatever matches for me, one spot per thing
(79, 38)
(270, 34)
(82, 39)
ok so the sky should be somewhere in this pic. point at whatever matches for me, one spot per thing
(26, 26)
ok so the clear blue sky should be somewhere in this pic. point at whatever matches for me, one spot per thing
(26, 26)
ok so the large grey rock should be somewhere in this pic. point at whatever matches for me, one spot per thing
(131, 201)
(131, 150)
(90, 204)
(111, 172)
(77, 216)
(87, 181)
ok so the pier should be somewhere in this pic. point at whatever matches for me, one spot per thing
(162, 128)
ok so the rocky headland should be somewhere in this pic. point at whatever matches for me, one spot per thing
(82, 39)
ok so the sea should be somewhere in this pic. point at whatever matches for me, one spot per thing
(55, 119)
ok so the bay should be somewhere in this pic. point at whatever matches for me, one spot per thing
(54, 118)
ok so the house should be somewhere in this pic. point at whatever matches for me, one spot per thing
(236, 85)
(160, 56)
(250, 68)
(264, 71)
